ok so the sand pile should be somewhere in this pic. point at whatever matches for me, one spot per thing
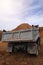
(0, 35)
(22, 26)
(41, 32)
(27, 26)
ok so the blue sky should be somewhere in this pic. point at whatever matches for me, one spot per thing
(15, 12)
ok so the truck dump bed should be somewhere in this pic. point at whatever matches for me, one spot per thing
(22, 35)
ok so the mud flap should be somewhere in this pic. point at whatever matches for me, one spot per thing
(32, 50)
(9, 48)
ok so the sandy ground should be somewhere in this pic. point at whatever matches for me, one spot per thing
(19, 58)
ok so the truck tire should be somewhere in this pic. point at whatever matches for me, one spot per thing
(26, 48)
(12, 48)
(9, 48)
(10, 52)
(36, 49)
(37, 52)
(38, 44)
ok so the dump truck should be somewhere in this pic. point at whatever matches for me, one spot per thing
(27, 40)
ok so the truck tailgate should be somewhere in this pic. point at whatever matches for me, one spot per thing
(17, 35)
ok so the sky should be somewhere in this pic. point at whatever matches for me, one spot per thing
(16, 12)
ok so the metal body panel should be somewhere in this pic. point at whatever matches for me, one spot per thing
(22, 35)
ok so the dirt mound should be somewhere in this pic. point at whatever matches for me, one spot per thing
(41, 32)
(27, 26)
(22, 26)
(0, 35)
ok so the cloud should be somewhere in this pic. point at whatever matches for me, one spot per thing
(15, 12)
(36, 20)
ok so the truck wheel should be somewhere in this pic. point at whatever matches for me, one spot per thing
(10, 52)
(39, 45)
(37, 52)
(26, 48)
(15, 50)
(12, 48)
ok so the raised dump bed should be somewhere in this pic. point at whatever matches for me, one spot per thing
(28, 39)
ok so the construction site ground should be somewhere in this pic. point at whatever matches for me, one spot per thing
(20, 58)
